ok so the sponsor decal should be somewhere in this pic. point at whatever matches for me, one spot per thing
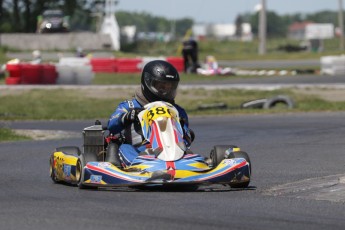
(229, 162)
(96, 179)
(130, 104)
(67, 170)
(115, 116)
(104, 165)
(170, 76)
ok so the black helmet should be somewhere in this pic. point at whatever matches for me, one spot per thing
(159, 81)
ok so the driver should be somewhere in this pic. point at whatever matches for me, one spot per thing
(159, 82)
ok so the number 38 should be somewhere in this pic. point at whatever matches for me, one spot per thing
(156, 112)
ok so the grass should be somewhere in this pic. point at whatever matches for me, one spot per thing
(117, 79)
(134, 78)
(82, 104)
(53, 104)
(62, 104)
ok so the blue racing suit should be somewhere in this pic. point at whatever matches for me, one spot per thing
(133, 140)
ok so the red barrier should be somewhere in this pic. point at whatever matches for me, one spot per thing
(177, 62)
(31, 74)
(103, 65)
(26, 73)
(49, 74)
(12, 80)
(129, 65)
(14, 70)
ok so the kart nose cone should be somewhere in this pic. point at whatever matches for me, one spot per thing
(160, 176)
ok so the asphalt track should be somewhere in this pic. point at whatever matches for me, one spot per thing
(297, 183)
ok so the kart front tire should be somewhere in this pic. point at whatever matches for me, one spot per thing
(218, 153)
(241, 154)
(80, 173)
(52, 170)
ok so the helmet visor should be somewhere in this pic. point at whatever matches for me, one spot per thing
(166, 90)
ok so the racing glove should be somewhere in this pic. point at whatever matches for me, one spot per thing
(188, 134)
(131, 116)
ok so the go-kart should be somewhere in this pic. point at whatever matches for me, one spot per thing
(167, 161)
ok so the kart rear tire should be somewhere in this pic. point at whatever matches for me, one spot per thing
(218, 153)
(241, 154)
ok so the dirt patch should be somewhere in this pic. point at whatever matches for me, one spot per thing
(47, 134)
(14, 91)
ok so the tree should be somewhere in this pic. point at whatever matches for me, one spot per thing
(276, 26)
(148, 23)
(16, 15)
(323, 17)
(183, 25)
(1, 9)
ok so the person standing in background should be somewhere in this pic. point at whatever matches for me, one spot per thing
(190, 55)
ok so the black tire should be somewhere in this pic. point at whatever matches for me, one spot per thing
(52, 170)
(241, 154)
(79, 174)
(69, 150)
(218, 153)
(254, 104)
(280, 99)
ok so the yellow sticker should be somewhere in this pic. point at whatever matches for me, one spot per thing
(155, 112)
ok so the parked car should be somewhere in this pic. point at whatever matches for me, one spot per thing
(53, 21)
